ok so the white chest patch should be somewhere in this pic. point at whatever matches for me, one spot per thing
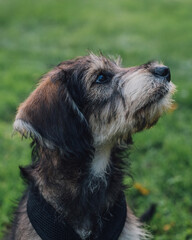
(101, 161)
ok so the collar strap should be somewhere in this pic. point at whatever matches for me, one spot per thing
(49, 225)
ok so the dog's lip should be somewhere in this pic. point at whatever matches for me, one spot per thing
(154, 98)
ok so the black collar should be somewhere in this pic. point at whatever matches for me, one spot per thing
(49, 226)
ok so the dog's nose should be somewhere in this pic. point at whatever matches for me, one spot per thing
(162, 71)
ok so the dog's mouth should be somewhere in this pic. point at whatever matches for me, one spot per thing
(149, 111)
(153, 99)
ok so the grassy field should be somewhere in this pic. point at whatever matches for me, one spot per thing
(38, 35)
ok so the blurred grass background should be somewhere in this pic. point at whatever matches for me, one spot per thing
(36, 35)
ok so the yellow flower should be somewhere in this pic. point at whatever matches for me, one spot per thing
(168, 226)
(141, 189)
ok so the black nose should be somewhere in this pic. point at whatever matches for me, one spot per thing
(162, 72)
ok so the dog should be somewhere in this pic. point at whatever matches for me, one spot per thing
(81, 117)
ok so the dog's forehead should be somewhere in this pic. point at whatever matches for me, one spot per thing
(92, 63)
(101, 62)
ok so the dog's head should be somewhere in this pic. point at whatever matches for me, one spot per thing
(91, 100)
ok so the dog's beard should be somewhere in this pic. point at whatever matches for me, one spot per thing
(150, 111)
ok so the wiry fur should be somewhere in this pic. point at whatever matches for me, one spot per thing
(78, 127)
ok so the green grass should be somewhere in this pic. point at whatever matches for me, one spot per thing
(38, 35)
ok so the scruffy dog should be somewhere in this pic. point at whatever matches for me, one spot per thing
(80, 117)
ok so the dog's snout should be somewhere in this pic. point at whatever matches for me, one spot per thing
(163, 72)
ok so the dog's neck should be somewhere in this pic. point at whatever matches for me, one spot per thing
(80, 191)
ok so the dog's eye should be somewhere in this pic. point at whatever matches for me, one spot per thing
(102, 78)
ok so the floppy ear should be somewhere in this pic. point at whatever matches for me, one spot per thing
(51, 117)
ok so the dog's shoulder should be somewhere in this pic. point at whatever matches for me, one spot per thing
(21, 227)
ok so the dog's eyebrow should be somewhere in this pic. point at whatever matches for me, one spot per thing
(105, 72)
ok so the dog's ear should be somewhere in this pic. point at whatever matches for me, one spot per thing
(51, 117)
